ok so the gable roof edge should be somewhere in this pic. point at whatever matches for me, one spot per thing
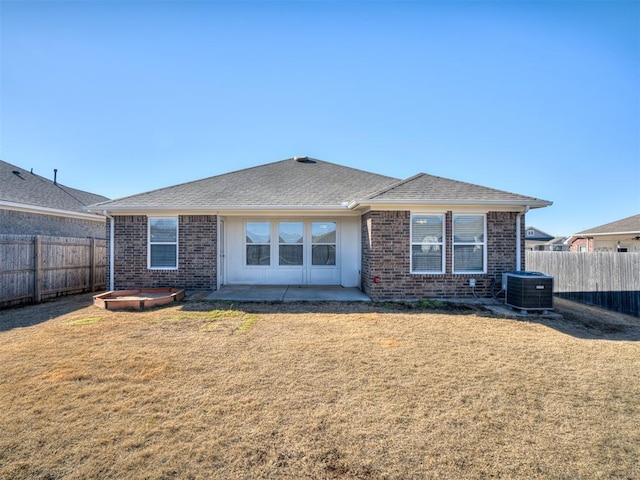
(22, 207)
(394, 185)
(534, 203)
(520, 200)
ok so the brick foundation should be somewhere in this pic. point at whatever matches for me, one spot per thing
(386, 257)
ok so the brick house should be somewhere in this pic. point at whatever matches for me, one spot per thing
(303, 221)
(34, 205)
(619, 236)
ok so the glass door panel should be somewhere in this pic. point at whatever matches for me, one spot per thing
(290, 243)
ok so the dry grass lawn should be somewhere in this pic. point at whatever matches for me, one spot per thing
(202, 390)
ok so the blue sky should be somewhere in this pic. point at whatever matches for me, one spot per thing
(539, 98)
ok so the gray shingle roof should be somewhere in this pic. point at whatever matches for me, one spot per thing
(626, 225)
(280, 184)
(539, 235)
(30, 189)
(291, 183)
(429, 189)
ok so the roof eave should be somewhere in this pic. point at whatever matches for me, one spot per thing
(215, 208)
(589, 234)
(515, 203)
(23, 207)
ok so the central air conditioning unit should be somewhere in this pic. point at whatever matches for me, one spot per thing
(528, 290)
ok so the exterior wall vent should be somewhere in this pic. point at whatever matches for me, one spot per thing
(302, 159)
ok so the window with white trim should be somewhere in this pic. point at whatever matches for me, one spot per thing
(163, 243)
(258, 243)
(469, 243)
(290, 243)
(323, 243)
(427, 244)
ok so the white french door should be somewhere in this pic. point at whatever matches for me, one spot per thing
(298, 251)
(222, 260)
(292, 251)
(284, 251)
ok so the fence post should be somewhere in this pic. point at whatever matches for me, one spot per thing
(37, 267)
(92, 265)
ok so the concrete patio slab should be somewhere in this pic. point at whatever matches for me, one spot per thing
(296, 293)
(288, 293)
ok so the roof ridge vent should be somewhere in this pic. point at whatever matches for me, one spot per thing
(303, 159)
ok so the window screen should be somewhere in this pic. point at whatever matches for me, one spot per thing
(468, 243)
(163, 243)
(427, 243)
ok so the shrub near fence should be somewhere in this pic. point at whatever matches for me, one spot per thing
(606, 279)
(34, 268)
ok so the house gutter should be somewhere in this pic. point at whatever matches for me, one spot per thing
(111, 245)
(21, 207)
(519, 237)
(217, 208)
(458, 203)
(587, 234)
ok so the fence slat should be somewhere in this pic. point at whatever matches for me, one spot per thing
(606, 279)
(37, 272)
(92, 266)
(34, 268)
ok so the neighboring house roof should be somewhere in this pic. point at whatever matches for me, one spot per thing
(21, 189)
(556, 241)
(302, 182)
(538, 235)
(547, 245)
(626, 225)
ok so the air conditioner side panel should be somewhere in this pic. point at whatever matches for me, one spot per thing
(529, 293)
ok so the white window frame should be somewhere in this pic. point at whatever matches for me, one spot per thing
(271, 248)
(311, 243)
(150, 243)
(279, 244)
(531, 233)
(442, 244)
(454, 243)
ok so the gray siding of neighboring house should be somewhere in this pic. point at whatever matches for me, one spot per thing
(27, 223)
(387, 256)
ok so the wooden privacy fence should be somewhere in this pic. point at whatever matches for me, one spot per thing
(606, 279)
(34, 268)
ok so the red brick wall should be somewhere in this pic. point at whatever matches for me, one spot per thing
(386, 255)
(196, 254)
(582, 242)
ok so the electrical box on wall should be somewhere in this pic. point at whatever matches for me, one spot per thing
(528, 290)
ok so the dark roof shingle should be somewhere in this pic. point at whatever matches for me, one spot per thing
(626, 225)
(280, 184)
(424, 188)
(313, 183)
(26, 188)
